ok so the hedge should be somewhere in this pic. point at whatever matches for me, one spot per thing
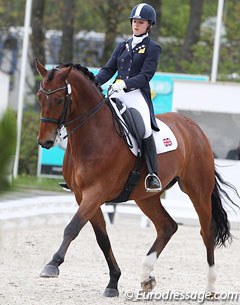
(28, 158)
(7, 147)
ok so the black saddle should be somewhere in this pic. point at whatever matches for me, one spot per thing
(134, 122)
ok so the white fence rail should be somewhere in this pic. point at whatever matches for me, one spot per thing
(54, 209)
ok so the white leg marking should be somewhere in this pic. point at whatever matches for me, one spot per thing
(148, 265)
(212, 276)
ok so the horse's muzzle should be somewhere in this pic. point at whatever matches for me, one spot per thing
(46, 144)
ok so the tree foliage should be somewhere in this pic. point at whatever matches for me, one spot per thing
(185, 29)
(185, 47)
(68, 31)
(193, 30)
(29, 148)
(8, 145)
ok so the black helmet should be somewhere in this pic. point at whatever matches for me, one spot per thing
(144, 11)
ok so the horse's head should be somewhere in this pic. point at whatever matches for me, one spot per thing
(54, 98)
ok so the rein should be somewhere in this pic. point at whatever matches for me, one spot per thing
(88, 114)
(85, 117)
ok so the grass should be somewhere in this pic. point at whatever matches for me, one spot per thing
(37, 183)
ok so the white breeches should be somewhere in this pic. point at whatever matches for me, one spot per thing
(135, 99)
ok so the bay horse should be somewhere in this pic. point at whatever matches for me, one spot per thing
(97, 163)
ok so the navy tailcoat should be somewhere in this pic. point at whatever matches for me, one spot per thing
(135, 66)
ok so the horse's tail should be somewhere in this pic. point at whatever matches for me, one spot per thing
(220, 217)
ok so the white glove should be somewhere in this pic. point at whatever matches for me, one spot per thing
(118, 86)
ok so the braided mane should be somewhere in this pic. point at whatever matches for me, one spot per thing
(78, 67)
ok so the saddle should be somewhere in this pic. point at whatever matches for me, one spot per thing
(132, 129)
(134, 124)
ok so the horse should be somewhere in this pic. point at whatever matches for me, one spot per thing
(97, 163)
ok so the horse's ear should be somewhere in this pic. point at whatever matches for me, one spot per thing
(65, 72)
(40, 68)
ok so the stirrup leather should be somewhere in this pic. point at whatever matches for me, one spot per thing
(152, 189)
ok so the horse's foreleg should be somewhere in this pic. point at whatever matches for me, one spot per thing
(165, 227)
(85, 212)
(99, 226)
(70, 233)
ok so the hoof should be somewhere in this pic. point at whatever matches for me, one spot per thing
(148, 285)
(50, 271)
(110, 293)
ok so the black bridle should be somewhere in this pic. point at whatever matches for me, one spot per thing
(85, 117)
(68, 99)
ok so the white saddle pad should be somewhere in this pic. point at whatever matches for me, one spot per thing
(165, 139)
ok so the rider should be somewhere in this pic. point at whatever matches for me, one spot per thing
(135, 62)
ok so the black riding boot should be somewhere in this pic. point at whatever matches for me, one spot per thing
(152, 182)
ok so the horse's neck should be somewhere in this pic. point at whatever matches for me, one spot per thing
(87, 95)
(93, 129)
(92, 141)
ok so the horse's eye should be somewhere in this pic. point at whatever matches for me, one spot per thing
(60, 101)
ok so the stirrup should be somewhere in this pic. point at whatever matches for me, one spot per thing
(152, 189)
(65, 186)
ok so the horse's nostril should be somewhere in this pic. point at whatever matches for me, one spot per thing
(48, 144)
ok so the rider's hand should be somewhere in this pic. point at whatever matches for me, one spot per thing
(118, 86)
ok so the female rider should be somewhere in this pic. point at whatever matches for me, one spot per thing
(135, 62)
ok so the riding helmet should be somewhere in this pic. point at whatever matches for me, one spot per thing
(143, 11)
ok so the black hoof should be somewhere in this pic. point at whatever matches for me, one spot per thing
(50, 271)
(110, 293)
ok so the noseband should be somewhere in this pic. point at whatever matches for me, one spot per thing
(85, 117)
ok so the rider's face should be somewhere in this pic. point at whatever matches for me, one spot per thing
(139, 26)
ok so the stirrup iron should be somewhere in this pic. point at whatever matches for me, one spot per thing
(154, 189)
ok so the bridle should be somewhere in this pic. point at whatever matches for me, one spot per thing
(68, 99)
(61, 122)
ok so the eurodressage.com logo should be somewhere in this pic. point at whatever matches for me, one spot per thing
(199, 297)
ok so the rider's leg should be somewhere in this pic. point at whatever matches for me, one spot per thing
(135, 99)
(152, 182)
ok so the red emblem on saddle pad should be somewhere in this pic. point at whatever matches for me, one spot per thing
(167, 142)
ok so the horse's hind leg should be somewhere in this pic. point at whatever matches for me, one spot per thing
(165, 227)
(201, 199)
(99, 226)
(207, 233)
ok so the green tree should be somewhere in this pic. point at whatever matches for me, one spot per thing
(109, 11)
(67, 31)
(29, 148)
(8, 146)
(37, 39)
(192, 34)
(155, 32)
(38, 33)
